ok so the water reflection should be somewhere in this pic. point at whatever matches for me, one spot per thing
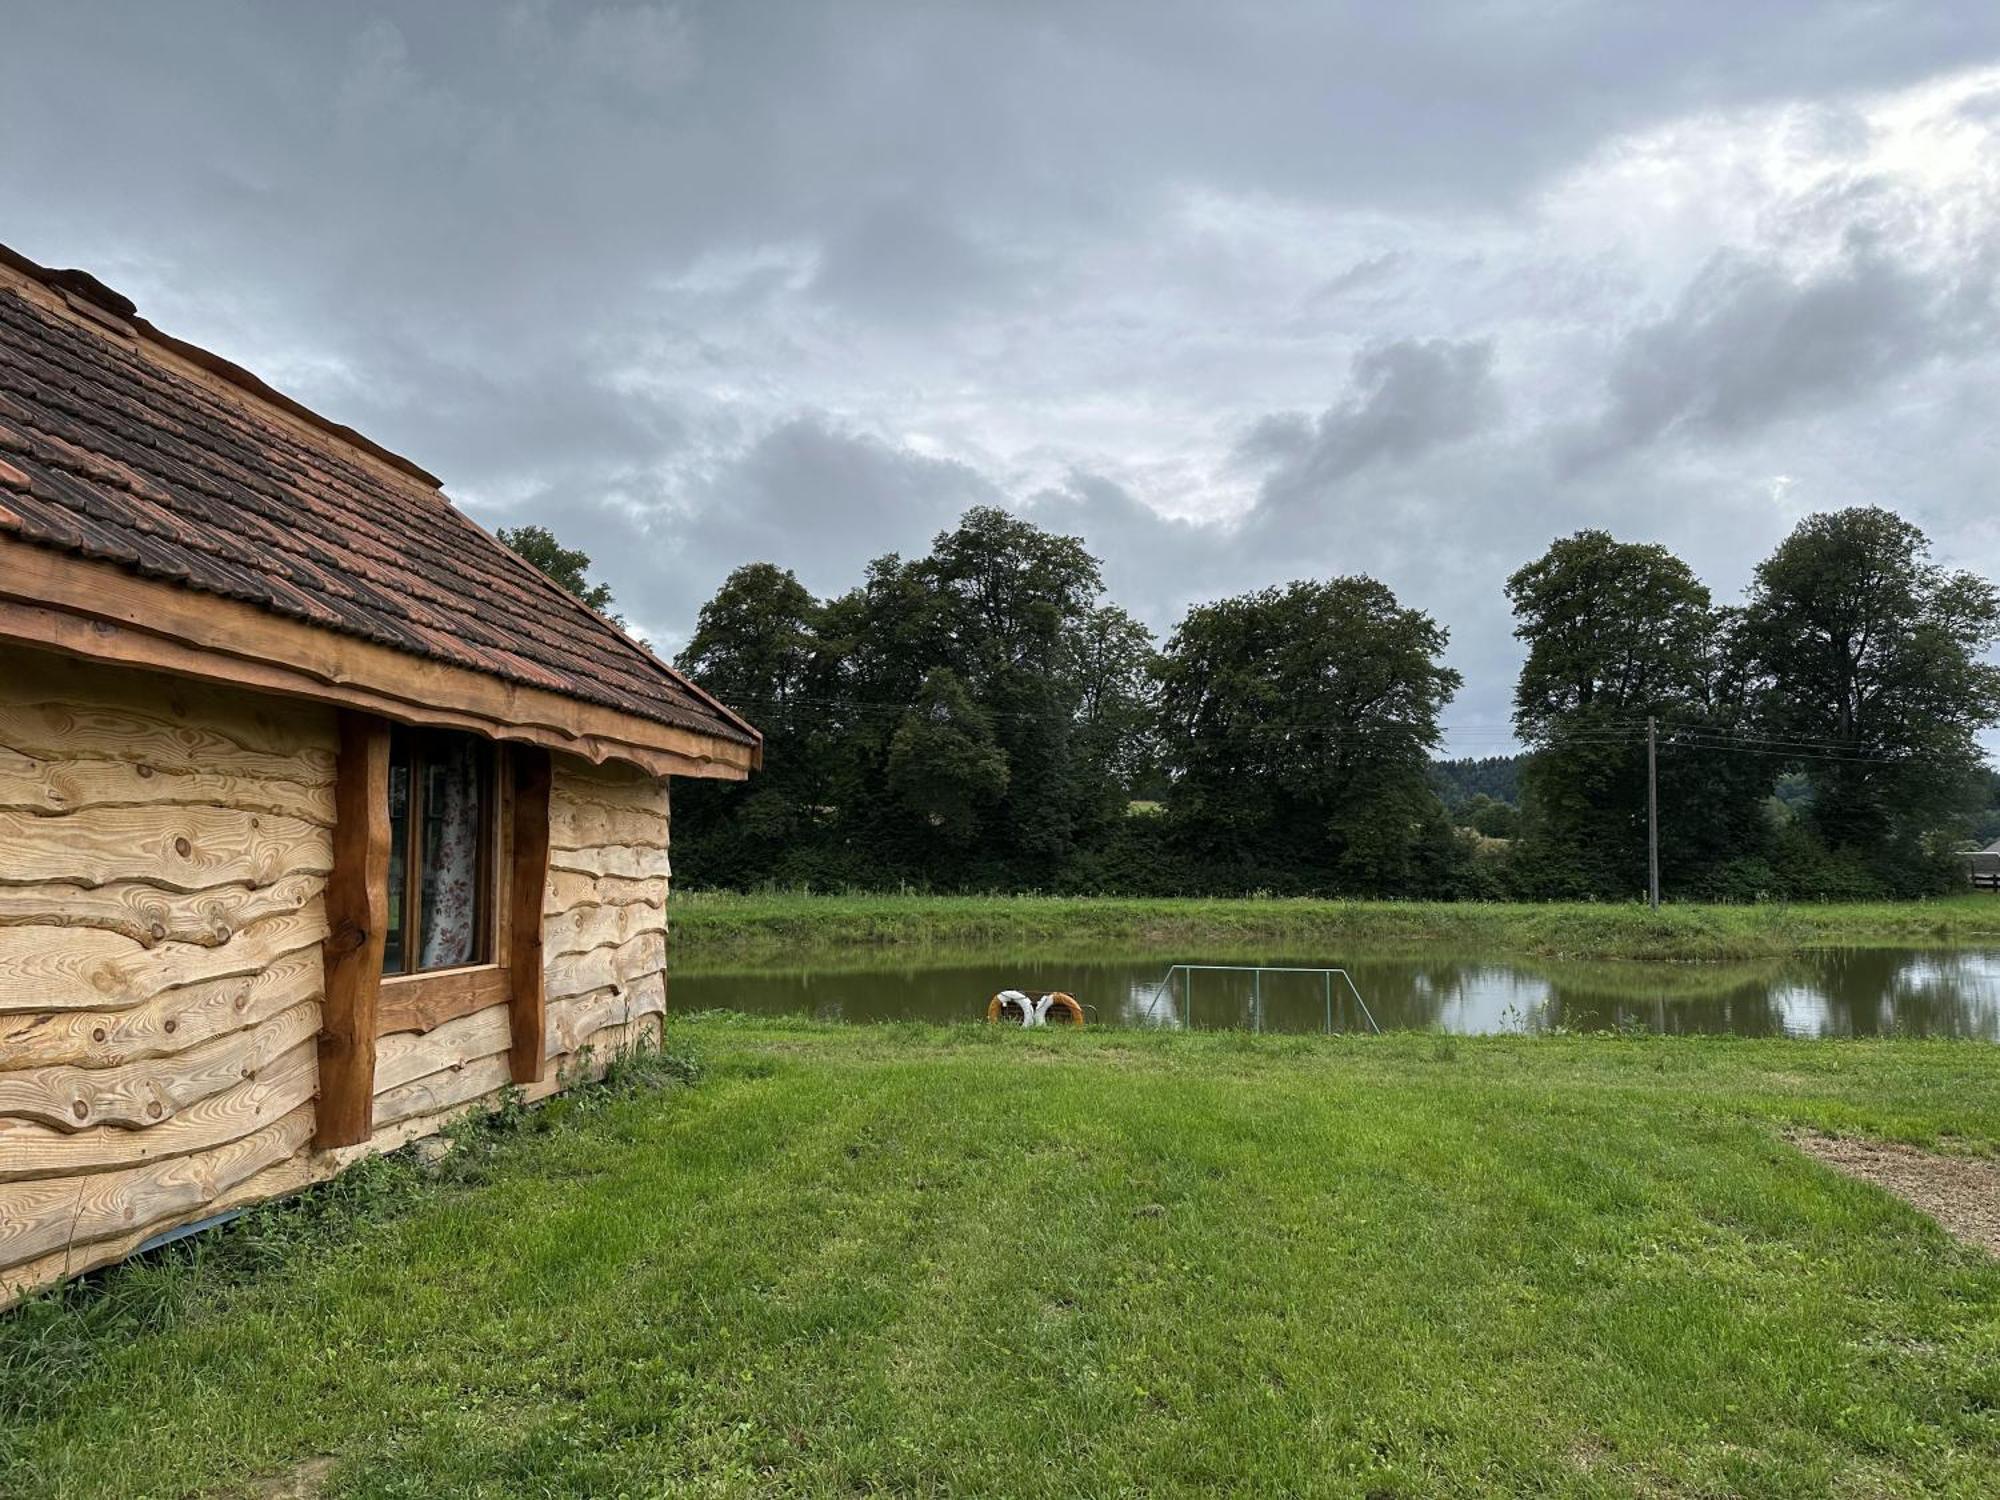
(1860, 992)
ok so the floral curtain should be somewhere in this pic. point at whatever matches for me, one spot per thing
(451, 855)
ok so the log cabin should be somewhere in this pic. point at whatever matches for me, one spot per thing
(324, 817)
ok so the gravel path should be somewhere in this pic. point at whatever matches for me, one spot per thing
(1962, 1193)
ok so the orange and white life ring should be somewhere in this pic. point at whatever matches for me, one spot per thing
(1058, 1008)
(1010, 1005)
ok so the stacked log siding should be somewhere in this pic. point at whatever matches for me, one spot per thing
(164, 849)
(604, 935)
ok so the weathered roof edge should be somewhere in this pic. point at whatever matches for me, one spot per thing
(92, 299)
(644, 652)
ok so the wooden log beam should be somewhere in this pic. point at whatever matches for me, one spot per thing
(53, 969)
(168, 1023)
(424, 1002)
(528, 1005)
(357, 908)
(619, 860)
(81, 607)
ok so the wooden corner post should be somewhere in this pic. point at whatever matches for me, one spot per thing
(527, 881)
(357, 914)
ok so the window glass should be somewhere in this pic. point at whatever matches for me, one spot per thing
(440, 854)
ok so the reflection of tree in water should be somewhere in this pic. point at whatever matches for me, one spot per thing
(1850, 992)
(1893, 991)
(1846, 993)
(1673, 999)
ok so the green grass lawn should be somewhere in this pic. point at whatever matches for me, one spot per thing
(721, 926)
(971, 1261)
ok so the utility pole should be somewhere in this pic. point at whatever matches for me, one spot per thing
(1652, 814)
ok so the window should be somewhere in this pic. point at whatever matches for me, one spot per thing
(441, 851)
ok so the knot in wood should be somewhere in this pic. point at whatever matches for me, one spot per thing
(81, 1110)
(182, 847)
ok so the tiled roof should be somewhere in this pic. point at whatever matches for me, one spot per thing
(112, 454)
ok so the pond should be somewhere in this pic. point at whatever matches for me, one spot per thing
(1850, 992)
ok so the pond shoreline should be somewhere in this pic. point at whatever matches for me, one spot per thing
(715, 927)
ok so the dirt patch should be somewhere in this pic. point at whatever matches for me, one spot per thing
(1961, 1193)
(305, 1482)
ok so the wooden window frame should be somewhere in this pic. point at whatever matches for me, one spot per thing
(363, 1004)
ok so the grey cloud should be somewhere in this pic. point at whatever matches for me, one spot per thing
(1364, 274)
(896, 262)
(1409, 397)
(1749, 343)
(831, 499)
(1982, 108)
(808, 495)
(805, 494)
(475, 150)
(524, 430)
(1154, 565)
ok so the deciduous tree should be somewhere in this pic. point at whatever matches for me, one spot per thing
(757, 646)
(1869, 670)
(1298, 724)
(1616, 633)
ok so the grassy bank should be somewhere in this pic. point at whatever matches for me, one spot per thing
(714, 926)
(986, 1262)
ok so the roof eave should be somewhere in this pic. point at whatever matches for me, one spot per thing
(100, 611)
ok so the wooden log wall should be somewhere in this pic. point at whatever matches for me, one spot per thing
(164, 851)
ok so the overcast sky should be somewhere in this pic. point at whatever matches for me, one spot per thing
(1239, 293)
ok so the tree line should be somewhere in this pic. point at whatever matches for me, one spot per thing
(984, 718)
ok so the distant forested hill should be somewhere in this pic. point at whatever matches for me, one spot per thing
(1459, 781)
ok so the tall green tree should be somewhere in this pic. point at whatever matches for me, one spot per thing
(1012, 602)
(1483, 815)
(943, 766)
(1111, 658)
(1014, 615)
(568, 566)
(1616, 633)
(1869, 667)
(757, 646)
(1298, 725)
